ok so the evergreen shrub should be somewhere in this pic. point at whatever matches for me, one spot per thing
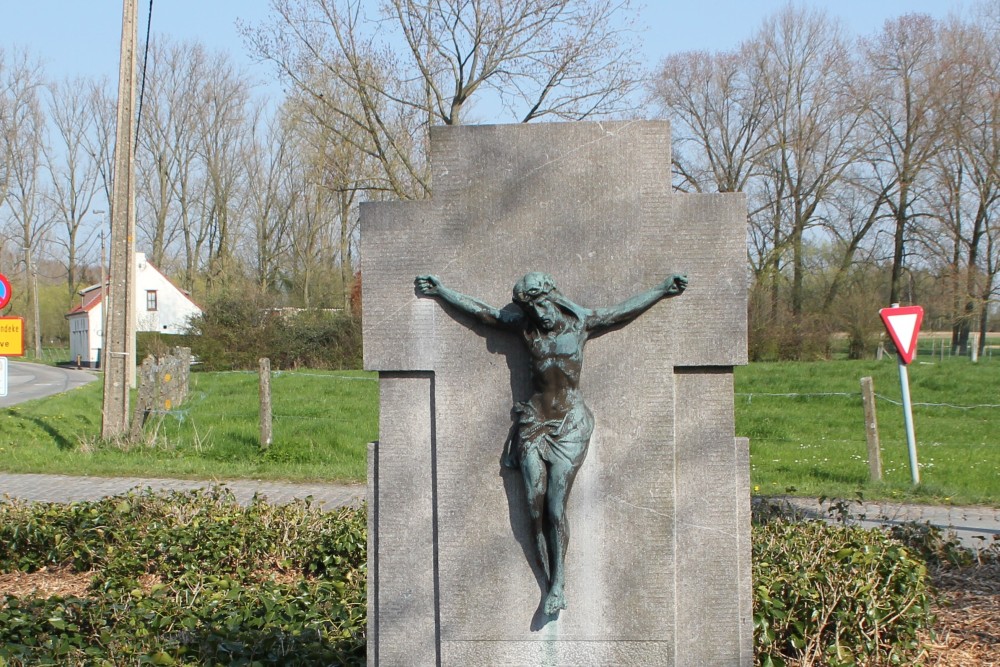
(835, 595)
(196, 579)
(186, 579)
(236, 331)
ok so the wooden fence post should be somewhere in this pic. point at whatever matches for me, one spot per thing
(265, 403)
(871, 429)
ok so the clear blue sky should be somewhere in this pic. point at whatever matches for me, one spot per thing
(81, 37)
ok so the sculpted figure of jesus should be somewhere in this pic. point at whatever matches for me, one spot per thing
(554, 425)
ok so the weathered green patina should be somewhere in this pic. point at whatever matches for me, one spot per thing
(554, 425)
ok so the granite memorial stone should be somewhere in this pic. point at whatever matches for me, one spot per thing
(657, 569)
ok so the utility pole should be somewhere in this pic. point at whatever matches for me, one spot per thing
(119, 338)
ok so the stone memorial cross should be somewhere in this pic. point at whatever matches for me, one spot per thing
(658, 563)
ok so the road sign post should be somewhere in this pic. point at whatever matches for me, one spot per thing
(903, 325)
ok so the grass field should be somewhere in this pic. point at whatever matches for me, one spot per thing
(322, 423)
(804, 420)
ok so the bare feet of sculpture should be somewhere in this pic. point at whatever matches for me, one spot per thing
(554, 601)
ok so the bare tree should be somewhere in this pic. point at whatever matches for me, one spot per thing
(905, 118)
(343, 174)
(562, 58)
(190, 160)
(805, 73)
(270, 194)
(224, 117)
(716, 106)
(168, 149)
(73, 170)
(100, 144)
(23, 136)
(967, 171)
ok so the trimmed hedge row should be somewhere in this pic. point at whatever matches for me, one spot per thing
(187, 579)
(196, 579)
(835, 595)
(235, 331)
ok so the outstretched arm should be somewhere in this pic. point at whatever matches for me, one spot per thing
(628, 310)
(431, 286)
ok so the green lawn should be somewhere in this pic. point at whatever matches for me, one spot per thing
(51, 356)
(322, 423)
(804, 421)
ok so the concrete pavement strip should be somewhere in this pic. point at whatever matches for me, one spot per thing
(67, 488)
(974, 526)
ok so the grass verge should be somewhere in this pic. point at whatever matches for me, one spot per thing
(322, 423)
(805, 422)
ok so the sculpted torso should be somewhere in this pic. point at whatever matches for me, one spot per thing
(556, 364)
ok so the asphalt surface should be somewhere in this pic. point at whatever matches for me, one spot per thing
(975, 527)
(29, 381)
(66, 489)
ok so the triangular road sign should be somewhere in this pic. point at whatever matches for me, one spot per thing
(903, 324)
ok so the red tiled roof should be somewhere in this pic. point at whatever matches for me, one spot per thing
(89, 301)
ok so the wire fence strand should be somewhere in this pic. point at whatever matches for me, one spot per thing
(750, 396)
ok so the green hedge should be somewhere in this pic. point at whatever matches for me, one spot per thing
(196, 579)
(235, 332)
(835, 595)
(187, 579)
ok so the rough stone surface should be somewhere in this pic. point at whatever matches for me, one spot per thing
(656, 570)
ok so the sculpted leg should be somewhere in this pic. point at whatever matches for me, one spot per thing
(535, 473)
(561, 476)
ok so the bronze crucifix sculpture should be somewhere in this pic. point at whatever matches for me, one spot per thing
(554, 425)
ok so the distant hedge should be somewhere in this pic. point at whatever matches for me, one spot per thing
(236, 331)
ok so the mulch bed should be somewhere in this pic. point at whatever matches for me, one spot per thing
(45, 583)
(967, 630)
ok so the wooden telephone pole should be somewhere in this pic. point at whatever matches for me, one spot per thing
(119, 336)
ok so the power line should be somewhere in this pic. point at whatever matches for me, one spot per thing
(142, 85)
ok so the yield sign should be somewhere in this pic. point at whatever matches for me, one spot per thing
(903, 324)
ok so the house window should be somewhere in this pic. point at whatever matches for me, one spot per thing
(151, 299)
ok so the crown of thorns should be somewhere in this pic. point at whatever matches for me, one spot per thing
(532, 286)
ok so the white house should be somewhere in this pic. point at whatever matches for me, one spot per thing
(159, 306)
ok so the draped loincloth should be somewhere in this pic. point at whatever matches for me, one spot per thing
(555, 440)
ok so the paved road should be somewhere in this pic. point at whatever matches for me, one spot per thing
(29, 381)
(975, 526)
(64, 489)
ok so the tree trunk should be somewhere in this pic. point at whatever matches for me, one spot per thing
(898, 246)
